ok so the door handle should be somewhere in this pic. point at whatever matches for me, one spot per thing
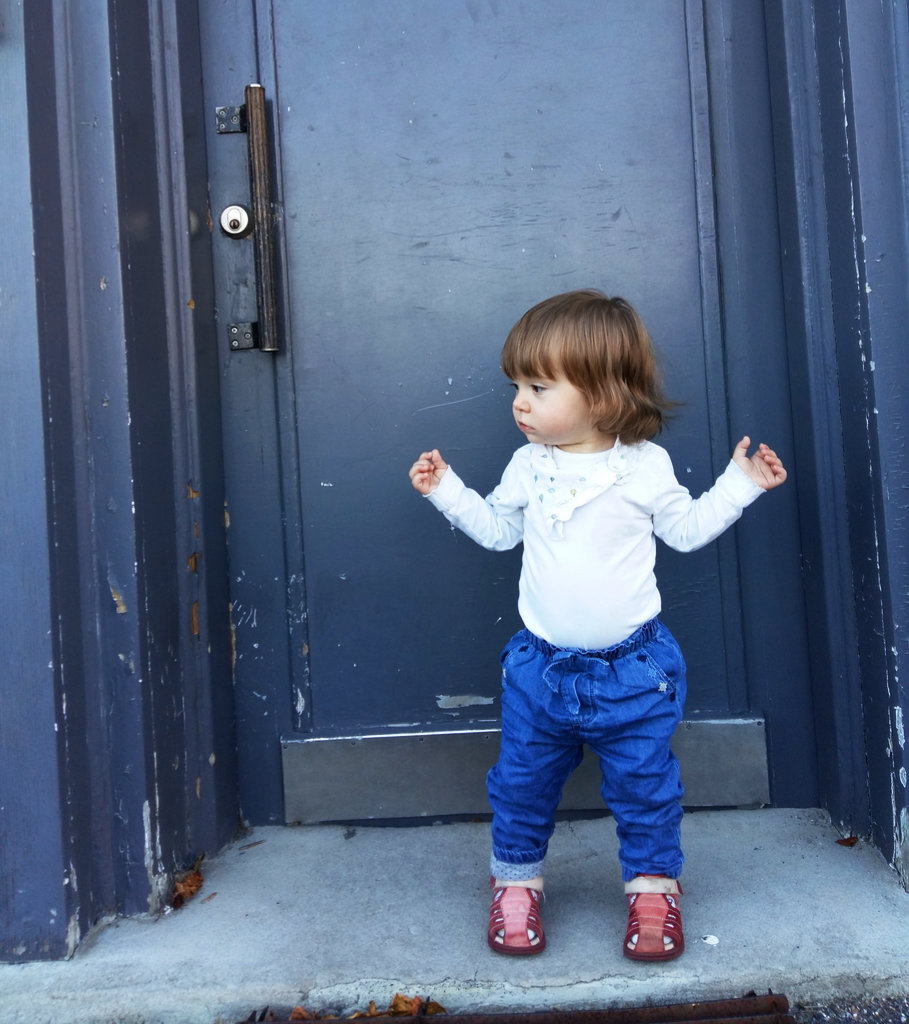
(252, 119)
(262, 217)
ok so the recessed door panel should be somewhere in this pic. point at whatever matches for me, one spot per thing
(439, 168)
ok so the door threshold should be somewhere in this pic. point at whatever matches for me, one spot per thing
(433, 775)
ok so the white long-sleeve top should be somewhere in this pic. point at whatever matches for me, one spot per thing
(589, 522)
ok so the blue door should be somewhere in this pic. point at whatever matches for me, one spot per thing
(439, 167)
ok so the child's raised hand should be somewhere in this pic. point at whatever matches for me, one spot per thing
(427, 471)
(764, 467)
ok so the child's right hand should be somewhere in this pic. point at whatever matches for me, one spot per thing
(427, 471)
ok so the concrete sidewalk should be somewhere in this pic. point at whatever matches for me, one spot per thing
(331, 917)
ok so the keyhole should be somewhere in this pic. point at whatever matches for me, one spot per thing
(235, 221)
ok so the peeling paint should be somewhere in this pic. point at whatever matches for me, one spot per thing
(898, 726)
(157, 879)
(463, 701)
(73, 935)
(119, 603)
(901, 850)
(243, 616)
(232, 626)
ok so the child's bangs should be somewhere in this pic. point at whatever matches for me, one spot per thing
(528, 354)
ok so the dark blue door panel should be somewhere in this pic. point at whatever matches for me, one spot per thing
(440, 167)
(442, 171)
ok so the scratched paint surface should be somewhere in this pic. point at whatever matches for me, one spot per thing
(444, 167)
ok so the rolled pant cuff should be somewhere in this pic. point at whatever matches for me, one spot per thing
(514, 872)
(672, 871)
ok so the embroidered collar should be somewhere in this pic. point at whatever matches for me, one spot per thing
(563, 482)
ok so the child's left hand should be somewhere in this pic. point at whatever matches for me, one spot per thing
(764, 467)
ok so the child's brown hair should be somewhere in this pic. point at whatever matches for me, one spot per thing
(601, 346)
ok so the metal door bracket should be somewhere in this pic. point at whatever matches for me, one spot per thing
(243, 336)
(230, 119)
(252, 119)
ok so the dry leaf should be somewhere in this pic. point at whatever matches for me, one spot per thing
(401, 1006)
(185, 889)
(187, 885)
(371, 1012)
(848, 841)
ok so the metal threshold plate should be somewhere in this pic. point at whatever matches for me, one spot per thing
(440, 774)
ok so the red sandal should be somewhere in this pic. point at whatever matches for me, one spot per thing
(654, 918)
(515, 925)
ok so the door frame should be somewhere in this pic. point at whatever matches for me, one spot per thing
(126, 831)
(813, 192)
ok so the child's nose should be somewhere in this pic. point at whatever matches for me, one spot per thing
(520, 400)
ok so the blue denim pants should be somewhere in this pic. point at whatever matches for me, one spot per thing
(625, 703)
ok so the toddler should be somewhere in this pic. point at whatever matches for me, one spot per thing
(587, 495)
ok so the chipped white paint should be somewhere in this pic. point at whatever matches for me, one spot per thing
(157, 880)
(898, 725)
(244, 616)
(73, 935)
(901, 852)
(463, 701)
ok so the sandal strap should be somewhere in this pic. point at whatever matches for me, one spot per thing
(654, 883)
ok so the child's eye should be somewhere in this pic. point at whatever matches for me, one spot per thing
(537, 389)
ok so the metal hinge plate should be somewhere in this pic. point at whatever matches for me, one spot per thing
(230, 119)
(243, 336)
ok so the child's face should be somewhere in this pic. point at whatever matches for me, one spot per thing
(555, 412)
